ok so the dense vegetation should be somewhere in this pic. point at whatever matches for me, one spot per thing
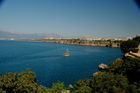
(25, 82)
(130, 45)
(122, 76)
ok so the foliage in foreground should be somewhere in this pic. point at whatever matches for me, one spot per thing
(25, 82)
(122, 76)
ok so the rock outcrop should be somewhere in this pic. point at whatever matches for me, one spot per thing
(103, 66)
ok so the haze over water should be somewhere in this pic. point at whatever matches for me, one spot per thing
(48, 62)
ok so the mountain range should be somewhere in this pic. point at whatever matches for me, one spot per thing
(6, 34)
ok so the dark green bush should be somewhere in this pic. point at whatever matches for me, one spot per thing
(128, 46)
(135, 50)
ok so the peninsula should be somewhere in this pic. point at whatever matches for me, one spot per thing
(84, 42)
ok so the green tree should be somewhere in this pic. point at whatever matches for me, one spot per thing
(23, 82)
(8, 82)
(83, 89)
(108, 82)
(26, 82)
(137, 38)
(58, 87)
(130, 45)
(83, 86)
(43, 89)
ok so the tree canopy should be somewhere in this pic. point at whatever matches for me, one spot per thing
(130, 45)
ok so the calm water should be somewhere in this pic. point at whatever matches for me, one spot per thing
(48, 62)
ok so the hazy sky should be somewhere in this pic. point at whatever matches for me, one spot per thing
(97, 18)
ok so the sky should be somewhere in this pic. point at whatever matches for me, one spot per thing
(71, 18)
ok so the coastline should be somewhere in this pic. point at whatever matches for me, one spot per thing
(102, 43)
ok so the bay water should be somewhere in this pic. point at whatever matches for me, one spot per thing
(48, 62)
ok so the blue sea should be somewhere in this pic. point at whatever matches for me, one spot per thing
(48, 62)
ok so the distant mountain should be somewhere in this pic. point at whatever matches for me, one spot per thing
(4, 34)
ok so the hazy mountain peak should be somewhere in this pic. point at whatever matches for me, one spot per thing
(6, 34)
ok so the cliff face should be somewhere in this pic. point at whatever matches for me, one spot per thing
(107, 43)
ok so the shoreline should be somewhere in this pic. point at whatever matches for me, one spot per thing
(100, 43)
(97, 43)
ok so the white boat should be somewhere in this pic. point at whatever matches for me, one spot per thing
(66, 53)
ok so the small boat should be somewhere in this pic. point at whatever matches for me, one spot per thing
(66, 53)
